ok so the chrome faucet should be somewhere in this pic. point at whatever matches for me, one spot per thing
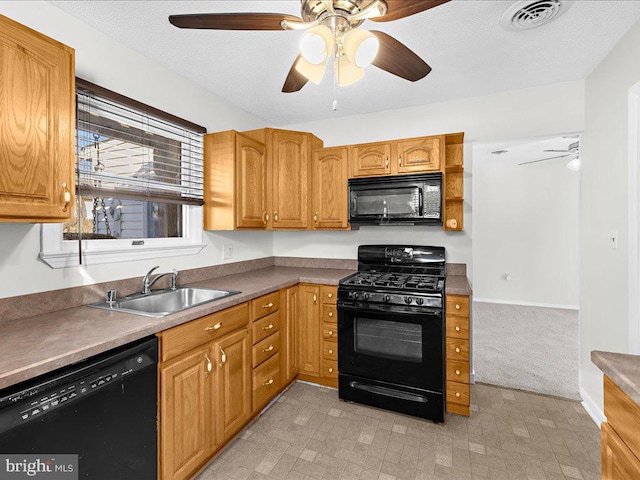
(147, 283)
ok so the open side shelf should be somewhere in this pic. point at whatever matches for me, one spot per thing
(453, 180)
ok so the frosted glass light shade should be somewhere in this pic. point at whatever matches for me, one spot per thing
(316, 44)
(347, 72)
(361, 46)
(311, 71)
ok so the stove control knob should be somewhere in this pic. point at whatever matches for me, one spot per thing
(365, 296)
(408, 300)
(387, 298)
(419, 301)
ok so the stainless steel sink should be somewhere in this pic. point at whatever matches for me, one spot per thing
(160, 303)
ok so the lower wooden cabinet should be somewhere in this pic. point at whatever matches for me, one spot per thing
(289, 334)
(309, 330)
(618, 461)
(457, 354)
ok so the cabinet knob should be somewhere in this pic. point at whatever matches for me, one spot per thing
(223, 356)
(457, 328)
(330, 295)
(386, 163)
(458, 394)
(315, 298)
(268, 327)
(399, 161)
(275, 217)
(330, 314)
(315, 217)
(331, 370)
(330, 333)
(215, 327)
(66, 196)
(209, 365)
(457, 349)
(268, 305)
(268, 349)
(457, 306)
(265, 217)
(268, 382)
(457, 372)
(330, 352)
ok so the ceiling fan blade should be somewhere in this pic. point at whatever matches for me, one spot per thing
(232, 21)
(397, 9)
(543, 159)
(396, 58)
(295, 80)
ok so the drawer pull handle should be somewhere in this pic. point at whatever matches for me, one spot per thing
(214, 328)
(457, 306)
(399, 161)
(331, 370)
(386, 163)
(457, 372)
(275, 217)
(268, 382)
(458, 394)
(268, 349)
(315, 217)
(330, 352)
(66, 196)
(268, 305)
(315, 298)
(457, 328)
(330, 295)
(223, 356)
(209, 365)
(330, 314)
(330, 333)
(265, 217)
(268, 327)
(457, 349)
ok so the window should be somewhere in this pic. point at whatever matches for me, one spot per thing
(139, 184)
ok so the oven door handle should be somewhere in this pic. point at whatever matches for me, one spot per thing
(398, 309)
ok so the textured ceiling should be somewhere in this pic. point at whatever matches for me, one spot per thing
(470, 53)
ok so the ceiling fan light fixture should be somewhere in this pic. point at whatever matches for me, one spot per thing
(361, 46)
(313, 72)
(316, 44)
(347, 72)
(574, 165)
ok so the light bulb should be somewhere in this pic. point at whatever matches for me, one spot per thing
(316, 44)
(361, 46)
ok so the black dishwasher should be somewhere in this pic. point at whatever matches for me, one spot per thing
(103, 409)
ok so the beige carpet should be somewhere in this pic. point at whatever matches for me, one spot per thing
(310, 434)
(527, 348)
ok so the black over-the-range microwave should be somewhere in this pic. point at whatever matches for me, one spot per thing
(396, 200)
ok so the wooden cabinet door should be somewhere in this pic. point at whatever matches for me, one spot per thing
(37, 101)
(329, 181)
(420, 155)
(289, 334)
(185, 399)
(618, 461)
(309, 330)
(290, 169)
(251, 183)
(369, 160)
(233, 383)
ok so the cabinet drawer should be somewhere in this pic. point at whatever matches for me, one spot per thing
(329, 313)
(180, 339)
(265, 326)
(618, 461)
(328, 293)
(329, 332)
(329, 369)
(458, 305)
(458, 371)
(457, 393)
(266, 382)
(330, 351)
(265, 349)
(457, 349)
(263, 306)
(457, 327)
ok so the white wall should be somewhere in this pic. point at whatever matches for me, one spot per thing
(110, 64)
(604, 272)
(526, 224)
(540, 111)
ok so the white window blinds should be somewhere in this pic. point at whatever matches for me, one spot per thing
(129, 150)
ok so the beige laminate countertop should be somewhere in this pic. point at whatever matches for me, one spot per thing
(623, 369)
(35, 345)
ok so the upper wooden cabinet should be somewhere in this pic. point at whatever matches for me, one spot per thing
(329, 188)
(412, 155)
(235, 182)
(37, 102)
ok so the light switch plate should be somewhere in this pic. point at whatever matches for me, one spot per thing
(227, 252)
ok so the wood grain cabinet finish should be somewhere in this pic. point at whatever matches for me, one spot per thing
(457, 354)
(289, 335)
(37, 101)
(329, 188)
(309, 330)
(620, 435)
(420, 155)
(370, 159)
(235, 182)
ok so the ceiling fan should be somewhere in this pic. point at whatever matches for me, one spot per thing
(572, 151)
(332, 30)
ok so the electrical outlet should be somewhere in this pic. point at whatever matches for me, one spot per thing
(613, 240)
(227, 252)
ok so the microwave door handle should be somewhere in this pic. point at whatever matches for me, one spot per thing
(421, 203)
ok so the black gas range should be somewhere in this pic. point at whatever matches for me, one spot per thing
(391, 330)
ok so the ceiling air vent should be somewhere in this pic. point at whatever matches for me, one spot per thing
(528, 14)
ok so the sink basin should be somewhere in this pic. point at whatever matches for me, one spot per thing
(160, 303)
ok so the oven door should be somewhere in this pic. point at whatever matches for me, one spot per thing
(392, 343)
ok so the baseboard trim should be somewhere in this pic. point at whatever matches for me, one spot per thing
(592, 408)
(525, 304)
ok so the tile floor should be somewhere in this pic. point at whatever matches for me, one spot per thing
(310, 434)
